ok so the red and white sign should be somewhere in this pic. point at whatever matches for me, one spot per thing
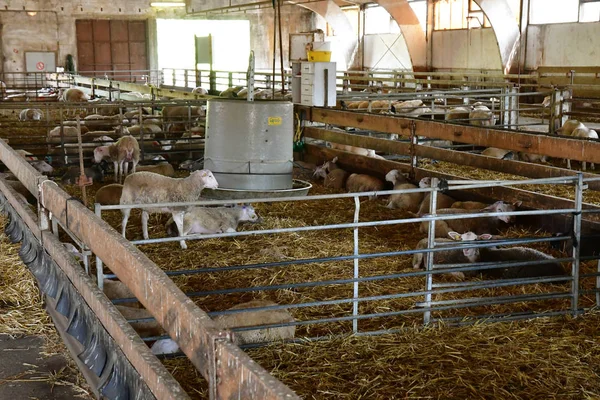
(40, 66)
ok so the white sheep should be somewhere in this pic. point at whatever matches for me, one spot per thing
(209, 220)
(244, 320)
(148, 188)
(458, 113)
(123, 152)
(481, 116)
(587, 134)
(404, 201)
(31, 114)
(569, 126)
(357, 183)
(443, 200)
(68, 132)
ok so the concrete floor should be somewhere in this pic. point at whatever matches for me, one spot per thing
(26, 374)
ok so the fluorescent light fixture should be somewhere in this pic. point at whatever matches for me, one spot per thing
(32, 13)
(167, 4)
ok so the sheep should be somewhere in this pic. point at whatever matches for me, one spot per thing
(26, 155)
(118, 290)
(199, 90)
(231, 92)
(328, 166)
(458, 113)
(481, 116)
(477, 225)
(512, 254)
(529, 157)
(178, 115)
(147, 188)
(207, 220)
(102, 140)
(547, 101)
(336, 179)
(68, 132)
(73, 95)
(164, 169)
(256, 318)
(109, 195)
(406, 201)
(95, 172)
(469, 205)
(42, 166)
(357, 183)
(143, 328)
(583, 133)
(569, 126)
(147, 128)
(443, 200)
(402, 107)
(192, 165)
(101, 122)
(243, 320)
(31, 114)
(498, 153)
(449, 256)
(123, 152)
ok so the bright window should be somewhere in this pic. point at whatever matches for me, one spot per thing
(420, 9)
(378, 20)
(589, 11)
(459, 14)
(176, 47)
(553, 11)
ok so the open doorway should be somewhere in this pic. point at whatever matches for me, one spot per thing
(230, 43)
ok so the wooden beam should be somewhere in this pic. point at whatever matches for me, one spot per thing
(377, 167)
(553, 146)
(520, 168)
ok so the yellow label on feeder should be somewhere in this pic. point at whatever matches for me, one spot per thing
(275, 120)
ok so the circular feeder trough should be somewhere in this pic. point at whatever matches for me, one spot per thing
(300, 188)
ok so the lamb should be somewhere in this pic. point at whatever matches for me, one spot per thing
(336, 179)
(406, 201)
(569, 126)
(357, 183)
(143, 328)
(469, 205)
(109, 195)
(500, 154)
(147, 188)
(242, 320)
(73, 95)
(478, 225)
(512, 254)
(529, 157)
(118, 290)
(207, 220)
(179, 115)
(101, 122)
(443, 200)
(42, 166)
(199, 90)
(68, 132)
(403, 107)
(95, 172)
(328, 166)
(583, 133)
(31, 114)
(458, 113)
(481, 116)
(164, 169)
(123, 152)
(146, 127)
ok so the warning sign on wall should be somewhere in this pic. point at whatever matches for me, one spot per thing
(40, 61)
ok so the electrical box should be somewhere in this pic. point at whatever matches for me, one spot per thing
(313, 83)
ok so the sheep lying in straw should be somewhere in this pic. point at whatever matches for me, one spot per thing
(212, 220)
(148, 188)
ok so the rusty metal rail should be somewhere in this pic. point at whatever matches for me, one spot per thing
(229, 372)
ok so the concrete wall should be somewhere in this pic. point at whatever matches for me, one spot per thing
(562, 45)
(465, 49)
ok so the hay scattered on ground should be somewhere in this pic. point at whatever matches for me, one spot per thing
(22, 314)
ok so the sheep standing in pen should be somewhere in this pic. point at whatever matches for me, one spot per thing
(123, 152)
(209, 220)
(511, 254)
(481, 115)
(587, 134)
(479, 225)
(31, 114)
(405, 201)
(243, 320)
(148, 188)
(73, 95)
